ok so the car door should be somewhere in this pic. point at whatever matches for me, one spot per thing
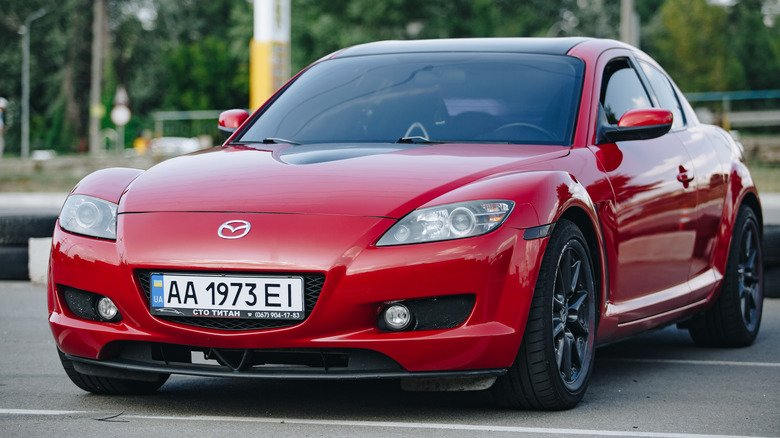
(654, 227)
(711, 177)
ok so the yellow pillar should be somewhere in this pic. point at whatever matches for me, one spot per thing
(269, 50)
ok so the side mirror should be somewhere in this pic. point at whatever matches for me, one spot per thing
(638, 124)
(231, 120)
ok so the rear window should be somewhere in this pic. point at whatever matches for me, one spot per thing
(448, 97)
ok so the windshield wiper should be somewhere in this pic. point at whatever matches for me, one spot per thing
(276, 140)
(418, 139)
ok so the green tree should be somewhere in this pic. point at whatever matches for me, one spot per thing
(751, 42)
(201, 76)
(690, 39)
(319, 28)
(194, 54)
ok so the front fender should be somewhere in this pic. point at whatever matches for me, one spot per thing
(541, 197)
(107, 184)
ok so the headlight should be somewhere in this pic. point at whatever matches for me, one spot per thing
(89, 216)
(446, 222)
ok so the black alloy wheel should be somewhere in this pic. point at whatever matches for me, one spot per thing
(572, 314)
(555, 359)
(735, 317)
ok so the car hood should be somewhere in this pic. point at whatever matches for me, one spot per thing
(360, 180)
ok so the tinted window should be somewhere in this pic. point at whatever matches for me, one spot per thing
(623, 91)
(458, 97)
(667, 98)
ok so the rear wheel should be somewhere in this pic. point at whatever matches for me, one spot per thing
(553, 365)
(112, 385)
(734, 319)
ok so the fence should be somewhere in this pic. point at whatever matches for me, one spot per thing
(756, 112)
(186, 123)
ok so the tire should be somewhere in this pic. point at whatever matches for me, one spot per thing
(555, 359)
(13, 263)
(112, 385)
(735, 317)
(771, 282)
(16, 230)
(771, 246)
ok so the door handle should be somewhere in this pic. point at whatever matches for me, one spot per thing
(684, 177)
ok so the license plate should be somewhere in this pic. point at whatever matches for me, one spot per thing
(227, 296)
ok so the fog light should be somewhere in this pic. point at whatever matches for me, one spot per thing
(397, 317)
(106, 309)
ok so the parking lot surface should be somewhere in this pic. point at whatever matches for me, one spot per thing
(655, 385)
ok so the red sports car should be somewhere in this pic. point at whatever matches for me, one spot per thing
(455, 214)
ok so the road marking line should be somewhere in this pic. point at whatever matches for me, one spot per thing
(38, 412)
(383, 424)
(694, 362)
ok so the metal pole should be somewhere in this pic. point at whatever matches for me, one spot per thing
(120, 143)
(629, 28)
(269, 50)
(25, 31)
(96, 109)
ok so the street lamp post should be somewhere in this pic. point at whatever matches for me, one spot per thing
(25, 31)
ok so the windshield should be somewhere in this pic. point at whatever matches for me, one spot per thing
(442, 97)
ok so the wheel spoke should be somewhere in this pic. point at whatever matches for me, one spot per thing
(749, 303)
(578, 319)
(575, 303)
(566, 357)
(564, 268)
(751, 259)
(748, 242)
(750, 277)
(559, 350)
(558, 327)
(575, 276)
(579, 348)
(559, 302)
(749, 268)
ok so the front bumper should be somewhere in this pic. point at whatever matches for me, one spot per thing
(142, 358)
(498, 269)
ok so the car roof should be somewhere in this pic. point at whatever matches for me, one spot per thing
(551, 46)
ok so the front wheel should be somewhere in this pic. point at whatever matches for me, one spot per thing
(735, 317)
(555, 359)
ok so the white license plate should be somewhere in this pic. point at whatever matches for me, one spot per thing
(227, 296)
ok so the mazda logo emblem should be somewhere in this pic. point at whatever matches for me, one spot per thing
(234, 229)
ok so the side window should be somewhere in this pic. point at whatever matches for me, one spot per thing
(667, 98)
(623, 91)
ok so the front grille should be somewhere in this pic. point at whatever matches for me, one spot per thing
(312, 286)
